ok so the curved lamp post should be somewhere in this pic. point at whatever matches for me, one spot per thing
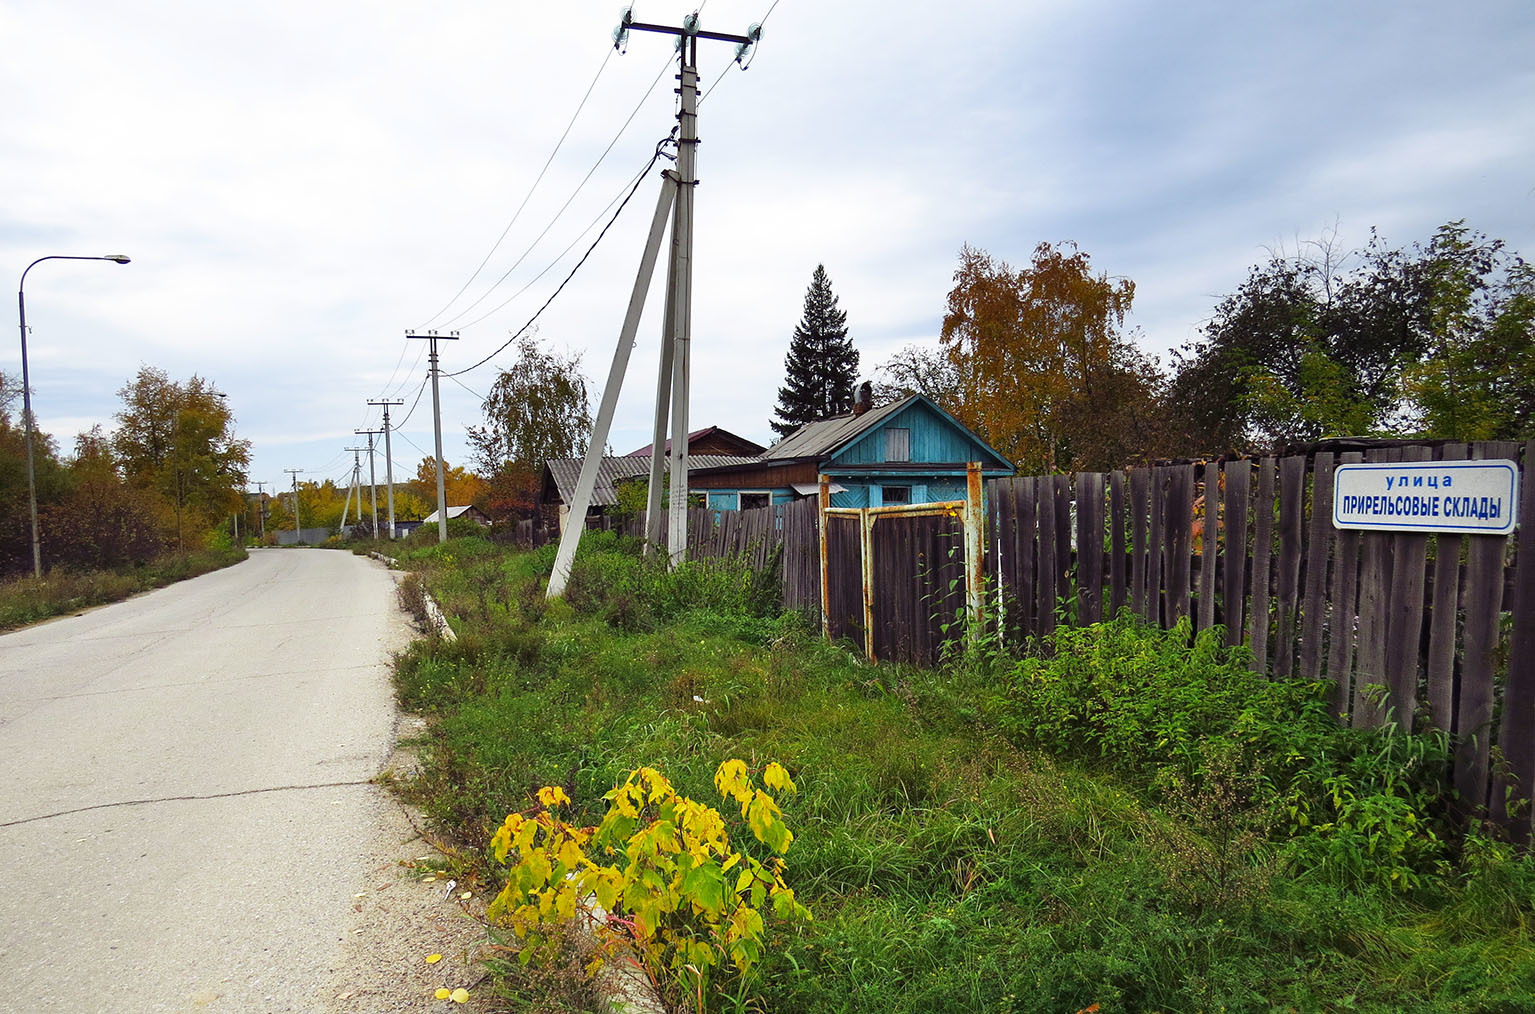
(26, 394)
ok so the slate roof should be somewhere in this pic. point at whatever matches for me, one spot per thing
(453, 512)
(567, 471)
(708, 431)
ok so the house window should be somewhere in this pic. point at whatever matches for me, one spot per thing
(751, 500)
(897, 444)
(895, 494)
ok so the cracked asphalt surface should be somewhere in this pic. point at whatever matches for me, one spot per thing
(186, 816)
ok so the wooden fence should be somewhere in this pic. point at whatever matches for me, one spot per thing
(1444, 623)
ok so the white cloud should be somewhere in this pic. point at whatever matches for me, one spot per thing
(299, 183)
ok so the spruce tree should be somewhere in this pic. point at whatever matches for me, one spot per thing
(822, 365)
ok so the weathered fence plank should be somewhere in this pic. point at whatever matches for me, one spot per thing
(1318, 551)
(1001, 538)
(1516, 734)
(1180, 540)
(1344, 613)
(1292, 494)
(1448, 547)
(1263, 549)
(1208, 545)
(1484, 602)
(1089, 547)
(1140, 492)
(1061, 489)
(1045, 558)
(1234, 547)
(1374, 607)
(1026, 553)
(1117, 558)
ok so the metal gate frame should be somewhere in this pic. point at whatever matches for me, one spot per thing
(972, 516)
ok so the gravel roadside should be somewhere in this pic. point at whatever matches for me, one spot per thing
(399, 918)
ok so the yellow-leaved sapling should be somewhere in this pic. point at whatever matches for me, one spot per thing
(659, 877)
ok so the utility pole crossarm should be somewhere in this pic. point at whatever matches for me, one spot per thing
(695, 33)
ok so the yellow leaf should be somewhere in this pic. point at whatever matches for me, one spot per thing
(777, 779)
(442, 993)
(552, 795)
(460, 995)
(466, 895)
(432, 959)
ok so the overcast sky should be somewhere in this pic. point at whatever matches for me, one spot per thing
(299, 183)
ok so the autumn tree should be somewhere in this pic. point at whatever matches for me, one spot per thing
(821, 367)
(100, 521)
(1046, 373)
(460, 486)
(15, 517)
(176, 439)
(536, 410)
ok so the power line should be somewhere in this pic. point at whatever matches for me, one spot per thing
(579, 187)
(413, 404)
(653, 159)
(420, 352)
(528, 196)
(737, 61)
(568, 247)
(460, 383)
(412, 443)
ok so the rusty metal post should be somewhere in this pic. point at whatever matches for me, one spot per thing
(866, 518)
(975, 529)
(825, 502)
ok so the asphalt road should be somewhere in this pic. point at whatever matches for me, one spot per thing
(185, 804)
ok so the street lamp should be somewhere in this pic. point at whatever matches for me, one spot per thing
(26, 394)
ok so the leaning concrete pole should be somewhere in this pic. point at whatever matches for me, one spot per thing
(570, 538)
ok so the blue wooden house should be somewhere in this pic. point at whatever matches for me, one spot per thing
(906, 451)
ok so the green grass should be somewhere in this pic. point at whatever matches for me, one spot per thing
(27, 600)
(1127, 817)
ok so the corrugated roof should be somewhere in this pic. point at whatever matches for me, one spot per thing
(453, 512)
(819, 438)
(567, 471)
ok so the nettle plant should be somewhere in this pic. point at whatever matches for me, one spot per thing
(659, 879)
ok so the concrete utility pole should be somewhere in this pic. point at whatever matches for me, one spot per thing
(388, 460)
(372, 480)
(672, 383)
(298, 528)
(261, 508)
(442, 497)
(355, 487)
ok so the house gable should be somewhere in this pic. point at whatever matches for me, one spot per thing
(923, 432)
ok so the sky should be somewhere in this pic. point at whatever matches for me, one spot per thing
(301, 183)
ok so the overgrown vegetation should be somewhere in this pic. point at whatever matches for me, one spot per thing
(25, 600)
(1126, 817)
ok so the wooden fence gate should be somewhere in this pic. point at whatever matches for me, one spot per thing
(904, 580)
